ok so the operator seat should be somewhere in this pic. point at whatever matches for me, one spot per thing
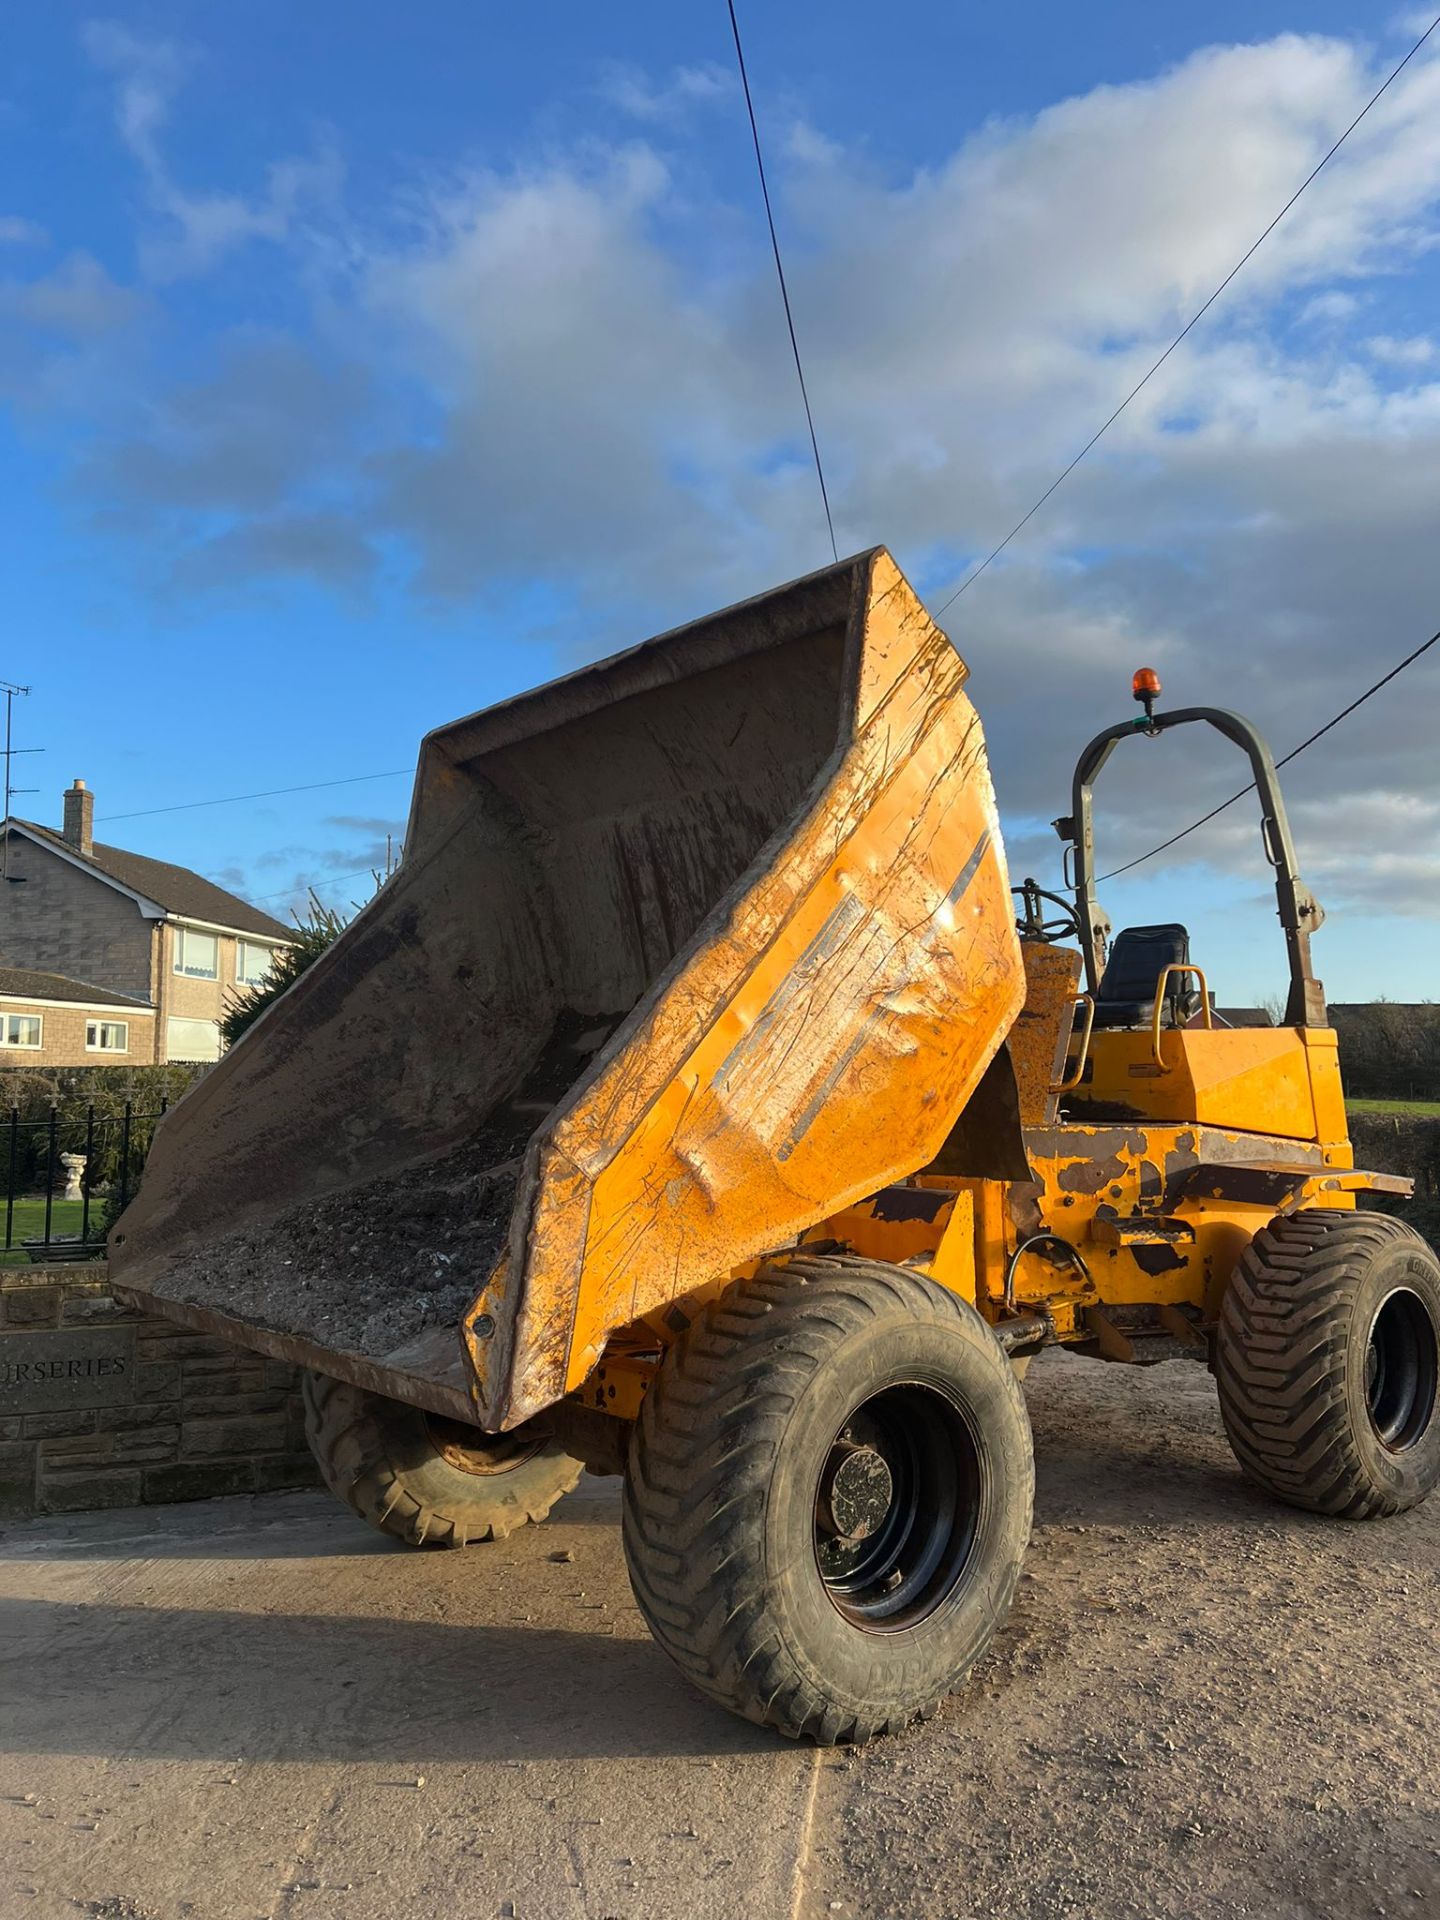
(1127, 987)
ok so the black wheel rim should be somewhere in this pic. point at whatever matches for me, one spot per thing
(1402, 1370)
(898, 1507)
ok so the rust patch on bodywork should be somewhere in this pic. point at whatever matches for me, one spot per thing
(1096, 1143)
(1154, 1259)
(1089, 1176)
(909, 1203)
(1022, 1199)
(1255, 1186)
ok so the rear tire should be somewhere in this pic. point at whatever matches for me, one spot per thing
(1328, 1363)
(829, 1497)
(425, 1480)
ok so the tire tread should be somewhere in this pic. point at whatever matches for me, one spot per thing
(350, 1435)
(1281, 1359)
(698, 1424)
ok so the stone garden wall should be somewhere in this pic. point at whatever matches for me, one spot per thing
(101, 1407)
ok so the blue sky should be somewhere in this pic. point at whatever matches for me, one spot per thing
(359, 368)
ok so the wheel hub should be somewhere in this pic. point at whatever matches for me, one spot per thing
(897, 1507)
(1402, 1370)
(856, 1492)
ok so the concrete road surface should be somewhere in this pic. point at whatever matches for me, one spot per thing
(1202, 1704)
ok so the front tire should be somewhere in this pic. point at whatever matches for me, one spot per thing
(829, 1497)
(1328, 1363)
(429, 1481)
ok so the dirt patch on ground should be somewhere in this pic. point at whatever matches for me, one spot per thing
(367, 1270)
(1203, 1703)
(1202, 1706)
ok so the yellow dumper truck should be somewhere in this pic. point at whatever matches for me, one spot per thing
(694, 1103)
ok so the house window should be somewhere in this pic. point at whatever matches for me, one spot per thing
(24, 1030)
(197, 955)
(107, 1036)
(192, 1039)
(252, 962)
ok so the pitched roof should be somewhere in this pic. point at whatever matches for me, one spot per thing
(187, 895)
(24, 983)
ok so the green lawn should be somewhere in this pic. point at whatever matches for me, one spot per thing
(1429, 1108)
(28, 1223)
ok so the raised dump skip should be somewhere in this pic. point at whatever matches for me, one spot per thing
(667, 936)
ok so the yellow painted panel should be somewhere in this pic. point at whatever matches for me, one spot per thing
(954, 1263)
(1254, 1078)
(1323, 1058)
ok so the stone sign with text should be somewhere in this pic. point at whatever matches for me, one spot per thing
(48, 1371)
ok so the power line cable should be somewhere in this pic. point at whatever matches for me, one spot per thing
(334, 880)
(270, 793)
(1175, 838)
(1194, 319)
(1204, 820)
(1294, 752)
(780, 275)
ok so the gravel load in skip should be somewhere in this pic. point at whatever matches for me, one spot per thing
(367, 1270)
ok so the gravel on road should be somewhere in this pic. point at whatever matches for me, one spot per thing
(1202, 1705)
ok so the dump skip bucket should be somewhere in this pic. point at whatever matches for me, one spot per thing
(686, 951)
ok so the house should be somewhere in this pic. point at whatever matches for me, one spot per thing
(118, 939)
(49, 1021)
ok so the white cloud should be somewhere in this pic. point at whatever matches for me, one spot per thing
(1412, 21)
(78, 301)
(1329, 307)
(148, 75)
(234, 443)
(672, 99)
(197, 229)
(1379, 850)
(605, 415)
(18, 232)
(1414, 351)
(965, 329)
(1261, 521)
(293, 544)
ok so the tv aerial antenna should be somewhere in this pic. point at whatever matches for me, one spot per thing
(12, 691)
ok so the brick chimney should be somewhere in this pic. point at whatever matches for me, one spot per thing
(80, 818)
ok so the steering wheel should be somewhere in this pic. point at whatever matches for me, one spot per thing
(1035, 923)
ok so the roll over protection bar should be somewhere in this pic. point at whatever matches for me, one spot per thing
(1300, 912)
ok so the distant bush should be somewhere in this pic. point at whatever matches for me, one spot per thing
(1407, 1144)
(1423, 1215)
(1389, 1050)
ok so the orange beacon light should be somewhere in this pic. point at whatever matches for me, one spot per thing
(1145, 687)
